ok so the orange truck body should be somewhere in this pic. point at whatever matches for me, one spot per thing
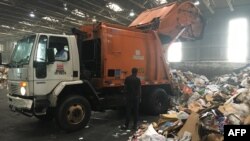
(138, 45)
(100, 57)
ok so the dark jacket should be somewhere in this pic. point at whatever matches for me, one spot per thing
(132, 87)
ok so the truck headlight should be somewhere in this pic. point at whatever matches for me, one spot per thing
(23, 86)
(23, 91)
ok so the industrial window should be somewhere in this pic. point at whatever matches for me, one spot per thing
(175, 52)
(237, 40)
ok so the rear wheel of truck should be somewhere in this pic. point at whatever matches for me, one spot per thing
(73, 113)
(158, 101)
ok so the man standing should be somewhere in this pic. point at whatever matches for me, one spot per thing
(133, 95)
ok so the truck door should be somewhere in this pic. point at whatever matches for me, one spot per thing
(48, 75)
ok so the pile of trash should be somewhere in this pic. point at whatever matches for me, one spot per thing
(3, 77)
(202, 109)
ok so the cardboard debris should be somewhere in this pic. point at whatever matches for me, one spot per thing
(209, 98)
(202, 107)
(167, 117)
(215, 137)
(195, 107)
(3, 77)
(191, 126)
(247, 121)
(226, 109)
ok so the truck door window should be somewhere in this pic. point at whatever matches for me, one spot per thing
(41, 49)
(61, 48)
(41, 69)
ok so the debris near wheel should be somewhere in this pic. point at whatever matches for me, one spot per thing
(3, 77)
(202, 108)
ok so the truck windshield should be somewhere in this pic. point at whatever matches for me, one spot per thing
(22, 51)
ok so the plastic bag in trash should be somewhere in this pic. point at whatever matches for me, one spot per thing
(199, 82)
(186, 136)
(193, 98)
(151, 135)
(182, 115)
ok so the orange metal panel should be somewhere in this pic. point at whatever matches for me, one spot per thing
(124, 49)
(170, 19)
(147, 16)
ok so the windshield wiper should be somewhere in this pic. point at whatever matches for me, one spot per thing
(13, 64)
(19, 63)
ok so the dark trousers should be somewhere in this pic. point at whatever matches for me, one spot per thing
(132, 108)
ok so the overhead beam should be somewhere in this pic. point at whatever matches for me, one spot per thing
(111, 11)
(22, 17)
(208, 5)
(94, 13)
(230, 5)
(138, 4)
(46, 4)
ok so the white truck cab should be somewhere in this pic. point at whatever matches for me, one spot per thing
(37, 75)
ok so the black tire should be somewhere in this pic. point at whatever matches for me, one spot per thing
(158, 102)
(73, 113)
(49, 116)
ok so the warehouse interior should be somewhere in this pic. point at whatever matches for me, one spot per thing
(51, 17)
(217, 63)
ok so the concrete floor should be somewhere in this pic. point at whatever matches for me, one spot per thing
(102, 127)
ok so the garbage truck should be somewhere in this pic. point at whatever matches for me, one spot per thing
(97, 59)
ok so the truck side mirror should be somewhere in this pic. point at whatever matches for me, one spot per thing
(51, 55)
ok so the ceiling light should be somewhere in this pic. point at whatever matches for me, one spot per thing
(132, 13)
(197, 3)
(78, 13)
(65, 6)
(161, 1)
(94, 19)
(51, 19)
(32, 14)
(8, 27)
(114, 7)
(5, 26)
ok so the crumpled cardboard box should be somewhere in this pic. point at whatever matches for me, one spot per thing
(195, 107)
(167, 117)
(247, 120)
(191, 126)
(214, 137)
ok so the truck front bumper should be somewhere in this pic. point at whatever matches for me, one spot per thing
(19, 103)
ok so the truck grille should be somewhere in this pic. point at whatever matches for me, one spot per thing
(14, 89)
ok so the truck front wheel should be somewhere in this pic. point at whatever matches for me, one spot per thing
(73, 113)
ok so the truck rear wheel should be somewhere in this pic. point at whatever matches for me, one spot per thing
(73, 113)
(158, 101)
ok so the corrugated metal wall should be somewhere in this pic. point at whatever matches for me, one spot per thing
(213, 46)
(7, 50)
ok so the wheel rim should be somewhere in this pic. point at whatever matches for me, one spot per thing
(158, 103)
(75, 114)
